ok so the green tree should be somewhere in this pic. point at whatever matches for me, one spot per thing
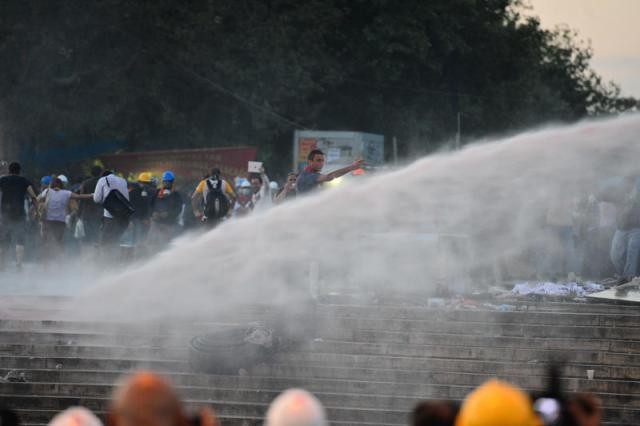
(160, 74)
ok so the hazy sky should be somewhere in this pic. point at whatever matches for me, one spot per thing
(613, 26)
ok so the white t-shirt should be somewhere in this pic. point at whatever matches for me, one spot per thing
(262, 200)
(107, 184)
(57, 201)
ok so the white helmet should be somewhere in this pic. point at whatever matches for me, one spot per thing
(64, 179)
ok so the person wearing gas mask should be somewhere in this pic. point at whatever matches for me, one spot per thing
(244, 200)
(167, 207)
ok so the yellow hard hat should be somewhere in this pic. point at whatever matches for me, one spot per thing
(145, 177)
(497, 403)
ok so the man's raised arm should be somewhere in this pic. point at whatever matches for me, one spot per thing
(341, 172)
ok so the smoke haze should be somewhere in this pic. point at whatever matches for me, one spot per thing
(439, 221)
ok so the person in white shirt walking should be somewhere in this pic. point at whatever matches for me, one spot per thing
(112, 228)
(55, 202)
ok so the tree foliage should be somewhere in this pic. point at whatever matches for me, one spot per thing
(167, 74)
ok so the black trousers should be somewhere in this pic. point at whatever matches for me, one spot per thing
(112, 230)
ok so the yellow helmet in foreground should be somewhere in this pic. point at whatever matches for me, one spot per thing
(497, 403)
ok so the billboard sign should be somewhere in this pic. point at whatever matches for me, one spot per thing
(340, 148)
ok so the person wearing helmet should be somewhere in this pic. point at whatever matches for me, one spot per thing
(274, 188)
(140, 194)
(45, 181)
(244, 202)
(64, 180)
(167, 207)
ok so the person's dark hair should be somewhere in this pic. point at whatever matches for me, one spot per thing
(14, 168)
(9, 418)
(106, 173)
(215, 172)
(294, 174)
(256, 176)
(56, 183)
(434, 413)
(96, 171)
(313, 154)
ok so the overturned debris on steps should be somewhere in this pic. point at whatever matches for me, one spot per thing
(367, 364)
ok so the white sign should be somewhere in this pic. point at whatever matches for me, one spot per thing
(255, 167)
(333, 155)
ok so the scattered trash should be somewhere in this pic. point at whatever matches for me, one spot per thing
(318, 339)
(496, 291)
(612, 282)
(59, 366)
(14, 376)
(623, 289)
(507, 308)
(556, 289)
(436, 302)
(590, 374)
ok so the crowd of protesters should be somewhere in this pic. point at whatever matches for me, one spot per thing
(146, 399)
(109, 215)
(596, 236)
(107, 212)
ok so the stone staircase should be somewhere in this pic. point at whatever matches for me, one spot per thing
(369, 363)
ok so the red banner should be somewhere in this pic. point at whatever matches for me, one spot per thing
(191, 164)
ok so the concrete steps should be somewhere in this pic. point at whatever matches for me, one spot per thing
(369, 364)
(326, 378)
(513, 354)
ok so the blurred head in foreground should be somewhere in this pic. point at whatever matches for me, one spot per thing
(75, 416)
(296, 407)
(497, 403)
(146, 399)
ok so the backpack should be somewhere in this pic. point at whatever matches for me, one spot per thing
(117, 204)
(216, 206)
